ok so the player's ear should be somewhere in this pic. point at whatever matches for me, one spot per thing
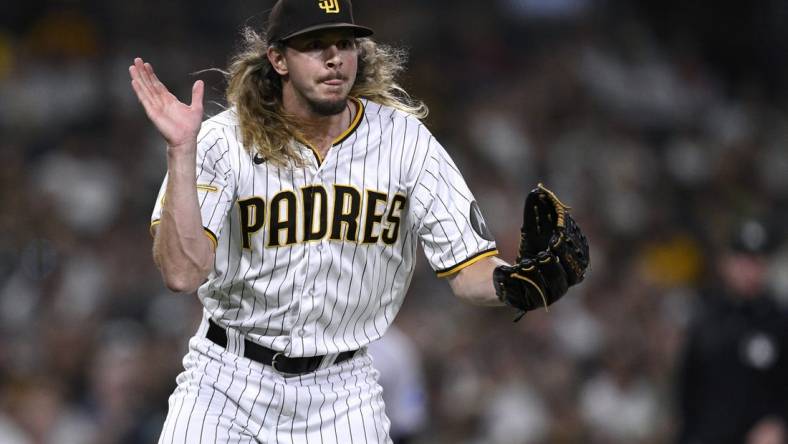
(277, 59)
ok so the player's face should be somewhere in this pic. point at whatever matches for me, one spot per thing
(321, 68)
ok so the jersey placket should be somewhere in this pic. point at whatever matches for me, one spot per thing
(304, 291)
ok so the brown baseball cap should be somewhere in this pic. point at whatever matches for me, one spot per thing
(290, 18)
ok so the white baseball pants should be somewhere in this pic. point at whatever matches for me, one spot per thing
(225, 398)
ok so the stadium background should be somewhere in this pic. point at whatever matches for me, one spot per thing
(662, 123)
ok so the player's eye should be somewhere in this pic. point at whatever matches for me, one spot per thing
(346, 44)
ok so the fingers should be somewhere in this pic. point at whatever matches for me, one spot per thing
(138, 73)
(155, 82)
(141, 84)
(141, 73)
(153, 95)
(151, 81)
(141, 94)
(198, 90)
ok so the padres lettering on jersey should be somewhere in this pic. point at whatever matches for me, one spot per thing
(307, 219)
(316, 260)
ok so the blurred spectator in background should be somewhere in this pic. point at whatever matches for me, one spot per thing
(733, 378)
(402, 378)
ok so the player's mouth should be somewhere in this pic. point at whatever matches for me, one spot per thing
(335, 80)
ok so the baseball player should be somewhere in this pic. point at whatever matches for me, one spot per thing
(295, 214)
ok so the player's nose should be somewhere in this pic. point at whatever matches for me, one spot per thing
(332, 56)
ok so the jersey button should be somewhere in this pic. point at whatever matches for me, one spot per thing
(300, 332)
(319, 247)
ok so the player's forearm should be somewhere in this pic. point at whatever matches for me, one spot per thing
(474, 283)
(182, 251)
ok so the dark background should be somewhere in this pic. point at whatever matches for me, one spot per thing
(662, 123)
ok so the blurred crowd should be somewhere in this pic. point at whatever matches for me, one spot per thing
(661, 130)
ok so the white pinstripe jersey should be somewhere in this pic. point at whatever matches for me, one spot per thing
(317, 259)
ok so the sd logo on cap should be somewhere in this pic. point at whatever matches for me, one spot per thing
(290, 18)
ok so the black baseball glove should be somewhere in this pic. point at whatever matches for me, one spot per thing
(553, 255)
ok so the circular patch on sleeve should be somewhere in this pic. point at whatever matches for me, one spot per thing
(478, 223)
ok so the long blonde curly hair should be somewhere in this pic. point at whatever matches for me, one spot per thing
(255, 89)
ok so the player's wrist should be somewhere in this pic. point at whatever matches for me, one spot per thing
(189, 147)
(186, 153)
(177, 153)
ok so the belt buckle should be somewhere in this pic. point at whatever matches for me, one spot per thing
(280, 372)
(273, 363)
(288, 374)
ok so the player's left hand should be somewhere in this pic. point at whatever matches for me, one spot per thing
(553, 255)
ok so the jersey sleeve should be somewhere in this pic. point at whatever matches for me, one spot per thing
(449, 223)
(215, 183)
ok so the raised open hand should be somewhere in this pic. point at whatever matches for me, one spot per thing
(177, 122)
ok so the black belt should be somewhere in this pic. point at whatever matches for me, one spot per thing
(266, 356)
